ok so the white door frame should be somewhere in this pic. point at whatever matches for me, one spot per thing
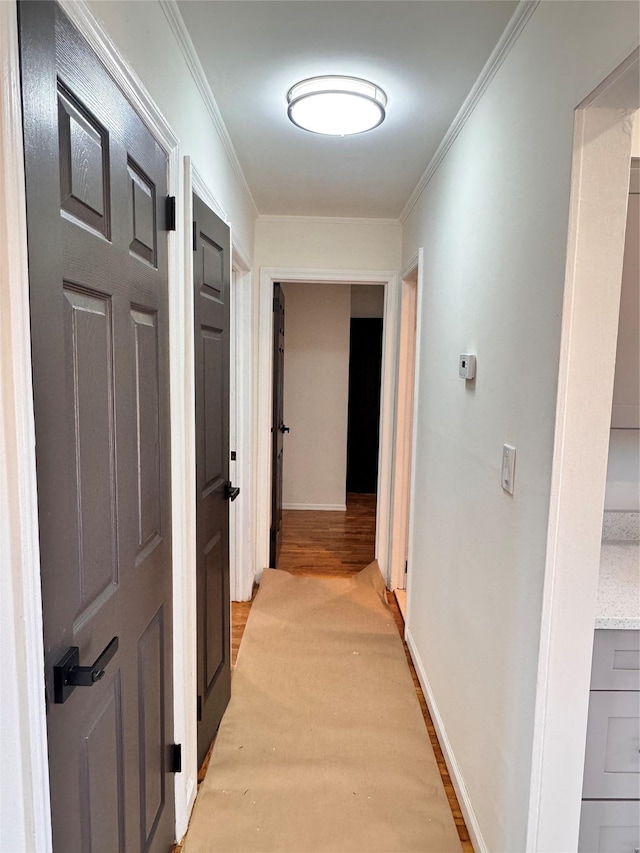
(597, 221)
(25, 813)
(241, 433)
(262, 515)
(406, 406)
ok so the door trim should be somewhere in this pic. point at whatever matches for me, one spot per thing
(595, 249)
(405, 437)
(25, 806)
(268, 276)
(241, 433)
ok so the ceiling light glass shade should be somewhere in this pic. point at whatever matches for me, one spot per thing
(337, 106)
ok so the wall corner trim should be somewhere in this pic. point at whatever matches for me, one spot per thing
(183, 39)
(516, 25)
(455, 772)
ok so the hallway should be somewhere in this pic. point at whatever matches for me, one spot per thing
(340, 544)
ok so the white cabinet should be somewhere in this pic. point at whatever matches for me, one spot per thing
(610, 818)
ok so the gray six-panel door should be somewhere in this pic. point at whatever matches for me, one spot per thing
(211, 279)
(96, 201)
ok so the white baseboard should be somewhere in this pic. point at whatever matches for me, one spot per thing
(454, 770)
(327, 507)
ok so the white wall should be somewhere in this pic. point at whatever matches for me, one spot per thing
(493, 222)
(316, 395)
(623, 472)
(320, 243)
(367, 300)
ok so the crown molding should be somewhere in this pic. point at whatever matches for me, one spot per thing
(179, 29)
(518, 21)
(329, 220)
(88, 24)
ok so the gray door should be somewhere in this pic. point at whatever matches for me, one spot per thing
(278, 428)
(96, 201)
(211, 280)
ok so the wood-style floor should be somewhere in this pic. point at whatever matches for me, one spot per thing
(339, 544)
(330, 543)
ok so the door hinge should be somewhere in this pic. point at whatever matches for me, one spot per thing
(175, 758)
(195, 237)
(171, 213)
(406, 567)
(199, 708)
(233, 456)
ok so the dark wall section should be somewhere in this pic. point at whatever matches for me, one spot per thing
(363, 435)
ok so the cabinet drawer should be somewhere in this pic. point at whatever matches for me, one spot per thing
(612, 763)
(607, 826)
(616, 660)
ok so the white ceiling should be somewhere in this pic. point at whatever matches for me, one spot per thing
(426, 55)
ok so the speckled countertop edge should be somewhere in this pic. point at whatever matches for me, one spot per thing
(618, 604)
(620, 526)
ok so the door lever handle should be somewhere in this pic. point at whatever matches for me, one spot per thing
(284, 429)
(231, 492)
(68, 674)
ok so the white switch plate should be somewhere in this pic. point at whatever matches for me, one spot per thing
(467, 366)
(508, 467)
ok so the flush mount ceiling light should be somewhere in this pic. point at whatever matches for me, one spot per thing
(337, 106)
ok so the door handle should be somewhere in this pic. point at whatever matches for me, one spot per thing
(284, 429)
(231, 492)
(68, 674)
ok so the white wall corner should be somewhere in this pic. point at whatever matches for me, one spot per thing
(510, 35)
(185, 43)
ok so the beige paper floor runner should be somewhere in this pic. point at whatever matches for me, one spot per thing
(323, 746)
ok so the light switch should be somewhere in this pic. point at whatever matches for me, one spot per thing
(508, 467)
(467, 366)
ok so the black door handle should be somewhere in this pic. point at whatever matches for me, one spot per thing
(231, 492)
(68, 674)
(284, 429)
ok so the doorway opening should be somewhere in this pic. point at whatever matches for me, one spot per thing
(388, 283)
(327, 370)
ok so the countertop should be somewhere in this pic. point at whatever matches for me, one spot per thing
(619, 586)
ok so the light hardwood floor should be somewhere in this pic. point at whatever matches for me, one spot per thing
(341, 544)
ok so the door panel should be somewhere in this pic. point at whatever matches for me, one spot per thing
(278, 428)
(211, 281)
(103, 792)
(149, 490)
(96, 185)
(151, 725)
(89, 359)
